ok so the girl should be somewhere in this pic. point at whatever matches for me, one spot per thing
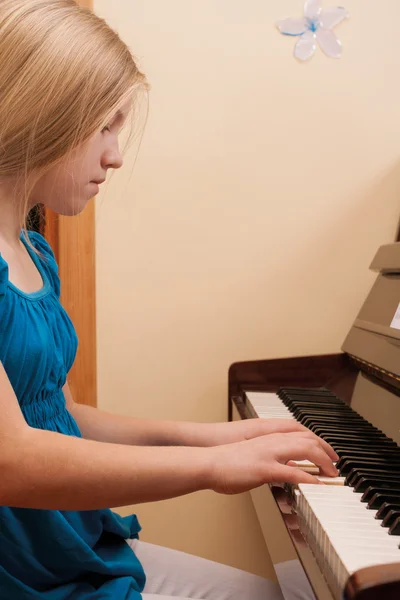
(67, 85)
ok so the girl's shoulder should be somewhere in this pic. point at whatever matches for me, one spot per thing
(47, 258)
(47, 261)
(41, 244)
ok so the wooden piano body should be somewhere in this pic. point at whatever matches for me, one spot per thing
(366, 374)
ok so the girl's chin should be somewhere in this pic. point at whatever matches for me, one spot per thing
(69, 211)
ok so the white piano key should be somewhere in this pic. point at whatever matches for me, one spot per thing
(265, 401)
(272, 410)
(261, 414)
(331, 480)
(310, 490)
(342, 532)
(262, 396)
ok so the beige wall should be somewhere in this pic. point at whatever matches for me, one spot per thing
(262, 190)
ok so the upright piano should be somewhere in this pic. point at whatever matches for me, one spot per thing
(342, 538)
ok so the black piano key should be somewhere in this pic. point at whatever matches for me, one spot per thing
(386, 508)
(319, 429)
(359, 464)
(329, 407)
(317, 406)
(370, 492)
(367, 458)
(373, 447)
(292, 400)
(377, 464)
(333, 420)
(325, 409)
(388, 459)
(339, 426)
(390, 518)
(379, 482)
(366, 452)
(337, 423)
(336, 440)
(356, 474)
(372, 462)
(307, 392)
(303, 399)
(379, 498)
(347, 429)
(346, 434)
(363, 443)
(311, 398)
(354, 479)
(324, 405)
(321, 405)
(381, 442)
(343, 423)
(330, 396)
(395, 527)
(307, 397)
(291, 389)
(299, 411)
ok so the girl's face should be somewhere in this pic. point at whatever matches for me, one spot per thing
(67, 188)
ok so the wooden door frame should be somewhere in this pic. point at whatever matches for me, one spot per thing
(73, 242)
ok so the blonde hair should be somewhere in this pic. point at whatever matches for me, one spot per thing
(63, 74)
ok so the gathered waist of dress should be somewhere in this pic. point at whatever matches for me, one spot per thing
(50, 412)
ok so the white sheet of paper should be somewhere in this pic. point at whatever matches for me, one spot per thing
(396, 319)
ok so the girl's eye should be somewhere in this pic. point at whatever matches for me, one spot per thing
(106, 128)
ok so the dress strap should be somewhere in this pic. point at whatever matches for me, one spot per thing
(3, 277)
(47, 259)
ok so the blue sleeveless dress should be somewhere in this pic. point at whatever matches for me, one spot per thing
(54, 554)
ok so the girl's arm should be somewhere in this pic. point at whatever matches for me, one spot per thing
(49, 470)
(103, 426)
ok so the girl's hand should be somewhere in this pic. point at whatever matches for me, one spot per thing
(242, 466)
(238, 431)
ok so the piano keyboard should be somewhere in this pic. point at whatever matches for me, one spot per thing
(355, 523)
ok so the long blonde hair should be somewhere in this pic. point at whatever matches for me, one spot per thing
(63, 73)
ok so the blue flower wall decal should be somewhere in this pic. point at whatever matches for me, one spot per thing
(315, 28)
